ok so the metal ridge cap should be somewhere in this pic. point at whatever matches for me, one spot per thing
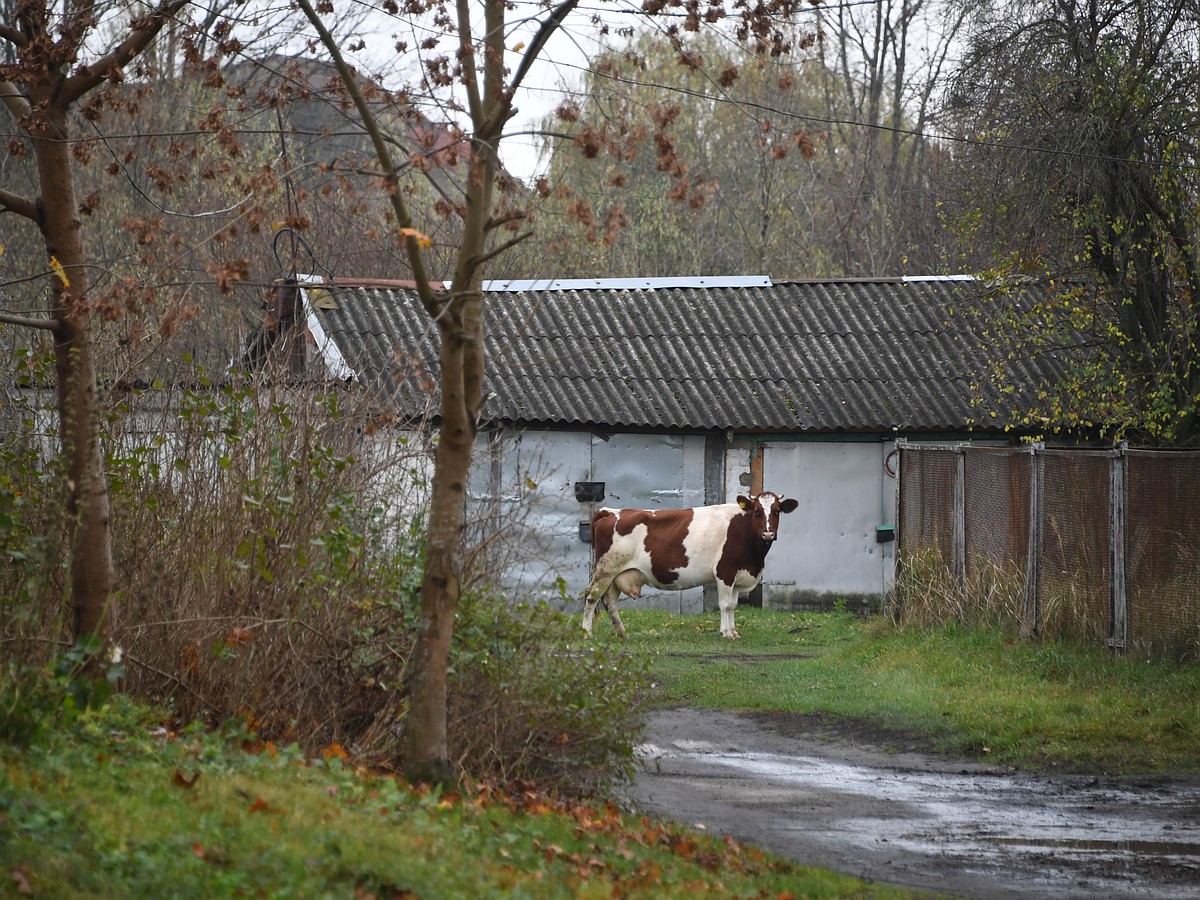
(629, 284)
(878, 279)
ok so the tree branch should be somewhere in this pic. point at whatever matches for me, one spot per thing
(14, 100)
(545, 31)
(29, 322)
(466, 53)
(412, 246)
(496, 251)
(10, 202)
(143, 31)
(13, 36)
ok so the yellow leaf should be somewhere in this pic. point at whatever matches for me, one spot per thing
(423, 240)
(519, 47)
(60, 271)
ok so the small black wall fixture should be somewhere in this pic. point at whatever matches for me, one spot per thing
(589, 491)
(585, 532)
(885, 534)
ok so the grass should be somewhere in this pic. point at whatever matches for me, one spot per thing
(111, 804)
(952, 689)
(114, 806)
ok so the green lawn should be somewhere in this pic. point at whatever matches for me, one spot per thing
(952, 689)
(111, 805)
(114, 807)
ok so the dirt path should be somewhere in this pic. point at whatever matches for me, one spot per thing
(916, 820)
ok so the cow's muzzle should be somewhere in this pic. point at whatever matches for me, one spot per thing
(768, 536)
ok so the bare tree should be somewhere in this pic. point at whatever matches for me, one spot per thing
(47, 80)
(70, 70)
(886, 66)
(466, 50)
(716, 175)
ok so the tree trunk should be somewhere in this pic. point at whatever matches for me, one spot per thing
(427, 750)
(460, 327)
(89, 534)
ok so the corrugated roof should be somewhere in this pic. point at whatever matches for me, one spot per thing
(821, 356)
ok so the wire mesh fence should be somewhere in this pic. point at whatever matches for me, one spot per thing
(1095, 546)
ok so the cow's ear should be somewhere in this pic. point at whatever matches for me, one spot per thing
(789, 505)
(743, 502)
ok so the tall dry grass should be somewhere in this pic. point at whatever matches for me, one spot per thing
(926, 592)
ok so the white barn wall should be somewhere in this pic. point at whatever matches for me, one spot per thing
(828, 548)
(528, 478)
(524, 481)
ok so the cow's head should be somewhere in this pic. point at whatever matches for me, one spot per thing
(764, 510)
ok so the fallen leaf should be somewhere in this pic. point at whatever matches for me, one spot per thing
(183, 781)
(260, 805)
(21, 877)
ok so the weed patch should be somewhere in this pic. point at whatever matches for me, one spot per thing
(269, 549)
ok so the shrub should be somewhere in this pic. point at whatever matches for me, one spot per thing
(269, 550)
(529, 702)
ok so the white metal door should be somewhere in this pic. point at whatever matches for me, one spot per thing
(828, 545)
(528, 482)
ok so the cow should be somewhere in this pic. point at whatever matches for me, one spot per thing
(677, 549)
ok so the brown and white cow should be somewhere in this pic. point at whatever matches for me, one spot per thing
(677, 549)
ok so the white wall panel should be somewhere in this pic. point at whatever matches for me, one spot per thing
(828, 545)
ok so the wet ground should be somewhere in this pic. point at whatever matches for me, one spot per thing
(902, 817)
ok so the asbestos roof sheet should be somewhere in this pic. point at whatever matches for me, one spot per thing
(827, 356)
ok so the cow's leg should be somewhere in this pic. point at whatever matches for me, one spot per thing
(610, 598)
(591, 596)
(727, 600)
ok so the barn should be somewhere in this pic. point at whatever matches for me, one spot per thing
(662, 393)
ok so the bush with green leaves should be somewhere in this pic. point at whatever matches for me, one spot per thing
(531, 701)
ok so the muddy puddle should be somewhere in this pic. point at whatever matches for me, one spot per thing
(921, 821)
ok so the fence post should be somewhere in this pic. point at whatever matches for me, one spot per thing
(1030, 609)
(958, 538)
(1118, 632)
(898, 559)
